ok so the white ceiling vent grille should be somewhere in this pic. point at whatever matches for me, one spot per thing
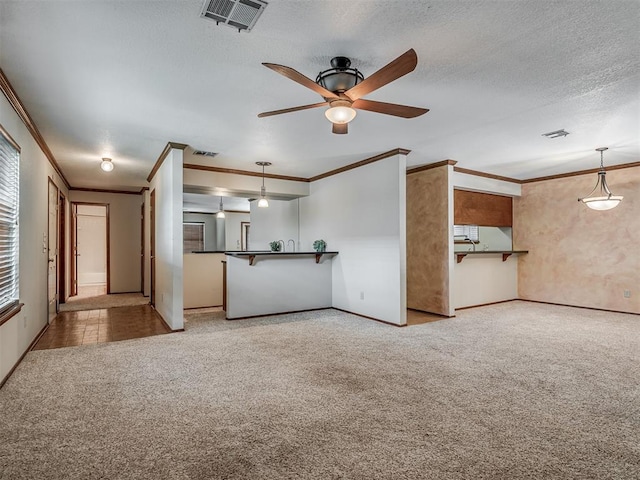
(240, 14)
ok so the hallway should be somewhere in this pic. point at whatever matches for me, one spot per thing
(88, 327)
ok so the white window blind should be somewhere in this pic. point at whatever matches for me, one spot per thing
(470, 232)
(9, 186)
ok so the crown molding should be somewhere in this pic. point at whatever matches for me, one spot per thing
(207, 168)
(105, 190)
(361, 163)
(581, 172)
(163, 155)
(422, 168)
(486, 175)
(18, 106)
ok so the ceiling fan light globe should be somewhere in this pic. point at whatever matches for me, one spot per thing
(220, 215)
(263, 203)
(340, 114)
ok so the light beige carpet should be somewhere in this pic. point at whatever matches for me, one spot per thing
(511, 391)
(103, 301)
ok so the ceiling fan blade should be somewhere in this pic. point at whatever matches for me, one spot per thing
(292, 109)
(394, 109)
(297, 77)
(402, 65)
(340, 128)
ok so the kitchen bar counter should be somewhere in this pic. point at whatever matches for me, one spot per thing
(251, 255)
(505, 253)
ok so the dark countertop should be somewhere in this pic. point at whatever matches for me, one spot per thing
(209, 251)
(267, 252)
(466, 252)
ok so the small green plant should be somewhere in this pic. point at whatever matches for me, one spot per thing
(275, 246)
(320, 245)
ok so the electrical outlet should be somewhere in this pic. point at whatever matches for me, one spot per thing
(361, 295)
(627, 294)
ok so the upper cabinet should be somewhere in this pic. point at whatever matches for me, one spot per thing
(485, 209)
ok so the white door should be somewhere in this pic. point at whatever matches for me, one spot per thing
(52, 248)
(91, 225)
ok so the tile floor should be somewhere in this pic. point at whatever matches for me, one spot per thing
(104, 325)
(416, 317)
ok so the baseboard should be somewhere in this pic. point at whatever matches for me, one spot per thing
(370, 318)
(206, 306)
(171, 330)
(433, 313)
(29, 348)
(578, 306)
(279, 313)
(487, 304)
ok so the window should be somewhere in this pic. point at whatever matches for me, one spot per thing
(466, 233)
(9, 186)
(193, 234)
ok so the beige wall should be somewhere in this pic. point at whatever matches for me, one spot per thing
(124, 237)
(578, 256)
(21, 329)
(428, 255)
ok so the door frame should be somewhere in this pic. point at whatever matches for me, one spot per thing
(142, 248)
(74, 246)
(152, 249)
(62, 248)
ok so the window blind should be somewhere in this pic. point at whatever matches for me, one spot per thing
(470, 232)
(9, 187)
(193, 237)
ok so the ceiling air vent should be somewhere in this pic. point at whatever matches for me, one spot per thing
(240, 14)
(204, 153)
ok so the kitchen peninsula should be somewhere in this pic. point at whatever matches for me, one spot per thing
(266, 283)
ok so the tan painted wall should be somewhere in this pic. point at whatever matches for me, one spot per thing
(428, 265)
(579, 256)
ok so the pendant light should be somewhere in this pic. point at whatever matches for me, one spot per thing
(263, 203)
(601, 197)
(220, 214)
(106, 165)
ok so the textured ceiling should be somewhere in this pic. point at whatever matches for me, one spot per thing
(124, 78)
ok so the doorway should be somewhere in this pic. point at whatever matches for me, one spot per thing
(152, 247)
(90, 260)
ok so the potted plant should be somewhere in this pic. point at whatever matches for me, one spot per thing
(275, 246)
(320, 245)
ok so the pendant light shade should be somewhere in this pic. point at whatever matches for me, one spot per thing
(601, 197)
(220, 214)
(263, 202)
(106, 165)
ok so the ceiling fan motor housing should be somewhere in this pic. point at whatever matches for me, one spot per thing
(341, 77)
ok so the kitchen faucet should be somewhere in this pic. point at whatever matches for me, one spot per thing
(294, 244)
(472, 243)
(282, 243)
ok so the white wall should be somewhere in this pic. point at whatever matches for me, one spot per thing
(474, 183)
(19, 331)
(361, 213)
(124, 237)
(233, 230)
(277, 284)
(168, 238)
(277, 222)
(230, 184)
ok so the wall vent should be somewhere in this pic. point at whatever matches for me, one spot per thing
(240, 14)
(204, 153)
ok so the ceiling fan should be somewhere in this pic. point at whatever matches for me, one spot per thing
(343, 87)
